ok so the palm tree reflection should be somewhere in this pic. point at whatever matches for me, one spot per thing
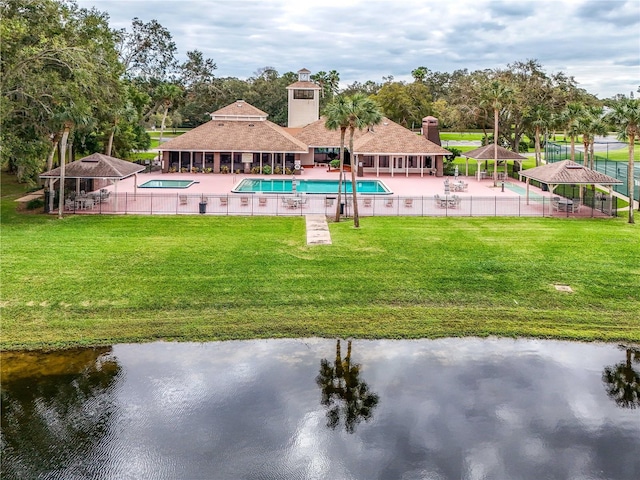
(344, 393)
(622, 381)
(56, 408)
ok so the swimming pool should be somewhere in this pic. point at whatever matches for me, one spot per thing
(322, 187)
(167, 184)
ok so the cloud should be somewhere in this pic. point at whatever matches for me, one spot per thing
(365, 40)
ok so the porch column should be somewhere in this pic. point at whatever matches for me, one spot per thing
(190, 161)
(216, 162)
(405, 159)
(232, 159)
(377, 165)
(421, 166)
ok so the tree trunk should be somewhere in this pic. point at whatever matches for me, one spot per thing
(356, 218)
(495, 147)
(110, 143)
(630, 180)
(342, 134)
(63, 151)
(52, 153)
(164, 118)
(537, 147)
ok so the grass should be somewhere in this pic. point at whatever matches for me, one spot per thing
(97, 280)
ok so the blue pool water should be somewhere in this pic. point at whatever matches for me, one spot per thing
(167, 184)
(255, 185)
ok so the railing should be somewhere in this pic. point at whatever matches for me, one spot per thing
(368, 205)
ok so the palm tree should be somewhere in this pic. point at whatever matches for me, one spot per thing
(540, 120)
(622, 381)
(344, 393)
(362, 112)
(167, 94)
(568, 118)
(336, 119)
(498, 95)
(625, 117)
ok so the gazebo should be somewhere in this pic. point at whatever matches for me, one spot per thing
(567, 172)
(489, 152)
(95, 166)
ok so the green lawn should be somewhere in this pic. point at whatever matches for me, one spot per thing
(90, 280)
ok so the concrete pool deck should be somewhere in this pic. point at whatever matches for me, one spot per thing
(400, 184)
(412, 195)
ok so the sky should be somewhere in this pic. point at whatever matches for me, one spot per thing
(596, 42)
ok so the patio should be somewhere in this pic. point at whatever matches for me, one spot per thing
(412, 196)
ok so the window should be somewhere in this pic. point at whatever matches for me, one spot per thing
(303, 94)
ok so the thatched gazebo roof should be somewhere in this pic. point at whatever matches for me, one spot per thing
(488, 152)
(96, 165)
(567, 172)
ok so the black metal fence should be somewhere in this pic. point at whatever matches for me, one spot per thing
(574, 205)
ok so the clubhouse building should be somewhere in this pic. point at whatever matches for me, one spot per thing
(240, 138)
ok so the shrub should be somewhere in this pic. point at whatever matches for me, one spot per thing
(224, 169)
(266, 170)
(288, 171)
(255, 170)
(277, 170)
(35, 204)
(335, 163)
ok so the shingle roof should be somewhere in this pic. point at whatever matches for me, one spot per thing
(568, 172)
(96, 165)
(317, 135)
(487, 153)
(387, 138)
(240, 108)
(391, 138)
(305, 85)
(237, 136)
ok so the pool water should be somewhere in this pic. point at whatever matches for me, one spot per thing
(167, 184)
(255, 185)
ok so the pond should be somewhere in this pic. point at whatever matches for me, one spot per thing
(317, 408)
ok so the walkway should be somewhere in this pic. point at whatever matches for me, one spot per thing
(317, 230)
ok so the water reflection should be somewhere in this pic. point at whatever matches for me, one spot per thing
(345, 395)
(56, 409)
(622, 381)
(447, 409)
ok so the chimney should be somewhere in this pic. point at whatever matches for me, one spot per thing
(430, 130)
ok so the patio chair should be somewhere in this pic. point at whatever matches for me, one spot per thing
(244, 201)
(183, 199)
(408, 202)
(389, 202)
(224, 201)
(328, 201)
(555, 203)
(367, 202)
(69, 204)
(262, 201)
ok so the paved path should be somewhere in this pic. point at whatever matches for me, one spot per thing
(31, 196)
(317, 230)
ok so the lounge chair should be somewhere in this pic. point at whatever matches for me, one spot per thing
(262, 201)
